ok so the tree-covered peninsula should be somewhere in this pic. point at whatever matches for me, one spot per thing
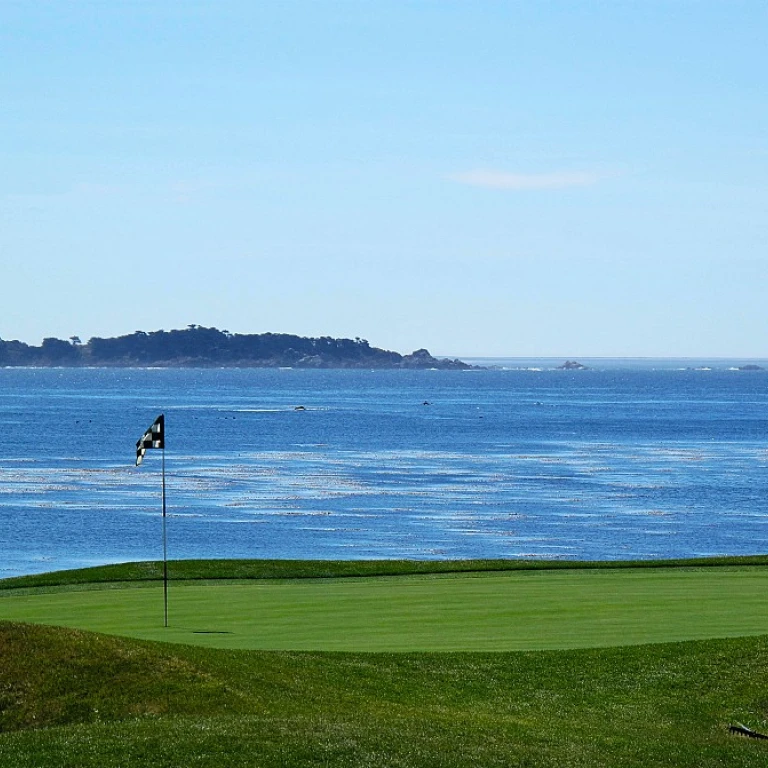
(196, 346)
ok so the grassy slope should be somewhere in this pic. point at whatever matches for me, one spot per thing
(71, 698)
(183, 570)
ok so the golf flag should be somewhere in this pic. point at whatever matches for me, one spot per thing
(154, 437)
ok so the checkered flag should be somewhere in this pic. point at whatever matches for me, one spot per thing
(154, 437)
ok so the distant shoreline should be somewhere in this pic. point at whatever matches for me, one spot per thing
(621, 363)
(199, 347)
(469, 364)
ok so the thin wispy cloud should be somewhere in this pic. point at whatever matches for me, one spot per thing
(492, 179)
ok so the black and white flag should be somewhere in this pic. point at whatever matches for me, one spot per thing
(154, 437)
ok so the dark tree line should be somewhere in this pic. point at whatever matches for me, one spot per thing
(199, 346)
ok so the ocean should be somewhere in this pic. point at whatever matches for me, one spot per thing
(630, 459)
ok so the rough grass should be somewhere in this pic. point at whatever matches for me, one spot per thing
(72, 698)
(201, 570)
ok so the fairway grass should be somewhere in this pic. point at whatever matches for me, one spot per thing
(507, 611)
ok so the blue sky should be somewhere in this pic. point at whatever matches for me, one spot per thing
(494, 178)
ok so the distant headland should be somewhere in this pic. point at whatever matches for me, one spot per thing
(196, 346)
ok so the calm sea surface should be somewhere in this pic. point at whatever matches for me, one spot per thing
(629, 459)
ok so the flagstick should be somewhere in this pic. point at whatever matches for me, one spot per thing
(165, 551)
(154, 437)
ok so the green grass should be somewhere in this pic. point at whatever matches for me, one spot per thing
(70, 697)
(205, 570)
(461, 611)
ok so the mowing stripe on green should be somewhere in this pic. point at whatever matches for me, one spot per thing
(487, 612)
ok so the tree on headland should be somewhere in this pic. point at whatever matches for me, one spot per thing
(57, 351)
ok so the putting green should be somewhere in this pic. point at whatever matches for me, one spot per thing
(479, 612)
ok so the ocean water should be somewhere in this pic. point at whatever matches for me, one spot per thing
(629, 459)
